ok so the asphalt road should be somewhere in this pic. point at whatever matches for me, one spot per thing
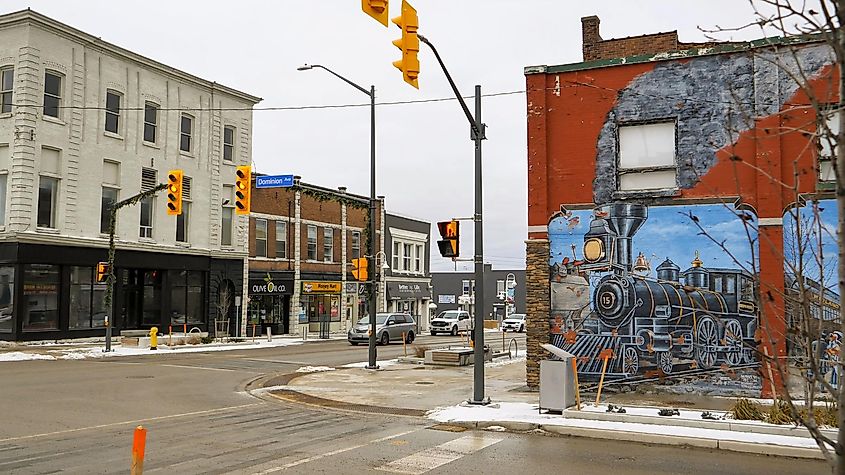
(78, 417)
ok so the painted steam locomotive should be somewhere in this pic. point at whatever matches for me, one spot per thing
(700, 317)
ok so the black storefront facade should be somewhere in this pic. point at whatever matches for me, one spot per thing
(50, 292)
(269, 302)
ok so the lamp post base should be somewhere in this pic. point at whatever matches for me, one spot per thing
(482, 402)
(371, 367)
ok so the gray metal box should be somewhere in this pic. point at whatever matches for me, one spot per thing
(557, 385)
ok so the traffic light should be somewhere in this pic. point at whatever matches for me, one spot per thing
(174, 192)
(409, 44)
(359, 269)
(243, 182)
(450, 244)
(376, 9)
(102, 271)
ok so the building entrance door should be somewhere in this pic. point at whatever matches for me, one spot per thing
(141, 299)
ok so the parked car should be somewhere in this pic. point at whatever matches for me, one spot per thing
(514, 323)
(451, 322)
(389, 327)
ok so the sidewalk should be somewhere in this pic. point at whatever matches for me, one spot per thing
(439, 393)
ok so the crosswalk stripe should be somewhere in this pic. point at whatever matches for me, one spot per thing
(431, 458)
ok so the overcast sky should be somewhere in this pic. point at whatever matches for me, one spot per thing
(424, 152)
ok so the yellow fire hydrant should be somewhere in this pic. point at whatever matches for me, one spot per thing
(153, 338)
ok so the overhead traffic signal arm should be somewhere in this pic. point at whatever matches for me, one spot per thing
(243, 186)
(408, 22)
(449, 245)
(174, 192)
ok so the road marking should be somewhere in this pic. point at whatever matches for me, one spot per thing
(333, 452)
(429, 459)
(199, 367)
(278, 361)
(134, 422)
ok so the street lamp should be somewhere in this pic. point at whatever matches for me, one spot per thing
(371, 362)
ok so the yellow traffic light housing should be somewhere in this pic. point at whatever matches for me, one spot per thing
(174, 192)
(243, 184)
(376, 9)
(359, 269)
(409, 44)
(449, 246)
(102, 271)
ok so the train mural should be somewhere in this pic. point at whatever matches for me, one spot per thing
(608, 302)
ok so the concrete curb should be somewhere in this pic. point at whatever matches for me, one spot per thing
(645, 438)
(730, 425)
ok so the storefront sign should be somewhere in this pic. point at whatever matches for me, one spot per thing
(352, 287)
(321, 287)
(446, 299)
(407, 290)
(270, 287)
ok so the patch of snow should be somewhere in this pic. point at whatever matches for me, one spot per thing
(22, 356)
(505, 362)
(381, 364)
(529, 413)
(314, 369)
(495, 428)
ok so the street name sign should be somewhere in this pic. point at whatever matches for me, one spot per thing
(274, 181)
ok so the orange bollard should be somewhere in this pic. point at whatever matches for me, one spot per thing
(185, 328)
(170, 336)
(404, 348)
(139, 442)
(253, 333)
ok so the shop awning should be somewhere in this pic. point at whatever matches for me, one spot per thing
(407, 290)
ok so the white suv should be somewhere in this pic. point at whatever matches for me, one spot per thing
(452, 322)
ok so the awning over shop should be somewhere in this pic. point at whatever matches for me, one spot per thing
(408, 290)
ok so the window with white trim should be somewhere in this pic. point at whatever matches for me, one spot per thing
(52, 94)
(228, 215)
(261, 237)
(113, 100)
(328, 244)
(418, 257)
(281, 240)
(186, 133)
(48, 189)
(7, 86)
(150, 122)
(647, 157)
(356, 244)
(229, 144)
(149, 180)
(182, 219)
(312, 242)
(827, 144)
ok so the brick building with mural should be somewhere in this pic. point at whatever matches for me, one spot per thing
(662, 179)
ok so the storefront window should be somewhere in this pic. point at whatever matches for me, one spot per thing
(152, 298)
(186, 297)
(80, 297)
(7, 293)
(41, 297)
(322, 307)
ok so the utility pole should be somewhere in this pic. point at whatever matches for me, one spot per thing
(477, 134)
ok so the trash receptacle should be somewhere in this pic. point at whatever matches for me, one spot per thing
(557, 381)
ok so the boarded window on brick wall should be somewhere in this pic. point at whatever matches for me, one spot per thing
(647, 157)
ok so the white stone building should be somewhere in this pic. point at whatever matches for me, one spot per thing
(85, 123)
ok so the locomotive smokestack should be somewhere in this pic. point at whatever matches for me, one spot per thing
(625, 219)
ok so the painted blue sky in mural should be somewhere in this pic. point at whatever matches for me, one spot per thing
(827, 218)
(668, 232)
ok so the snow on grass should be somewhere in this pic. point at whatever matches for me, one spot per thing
(22, 356)
(505, 412)
(314, 369)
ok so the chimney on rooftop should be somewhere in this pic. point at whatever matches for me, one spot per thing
(589, 33)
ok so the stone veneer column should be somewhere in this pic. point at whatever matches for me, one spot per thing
(537, 306)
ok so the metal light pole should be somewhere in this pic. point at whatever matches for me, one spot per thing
(477, 134)
(371, 247)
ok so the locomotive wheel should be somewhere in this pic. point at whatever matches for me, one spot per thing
(707, 339)
(664, 361)
(733, 340)
(630, 361)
